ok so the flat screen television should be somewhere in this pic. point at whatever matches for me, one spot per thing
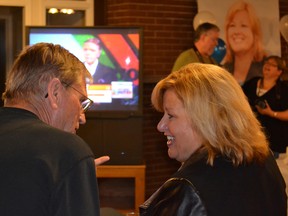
(118, 92)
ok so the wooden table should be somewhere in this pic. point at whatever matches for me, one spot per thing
(128, 171)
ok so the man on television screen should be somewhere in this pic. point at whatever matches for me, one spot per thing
(101, 73)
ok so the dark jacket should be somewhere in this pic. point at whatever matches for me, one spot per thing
(277, 98)
(220, 190)
(177, 196)
(44, 171)
(104, 74)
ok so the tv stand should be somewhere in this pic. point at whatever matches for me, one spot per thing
(128, 171)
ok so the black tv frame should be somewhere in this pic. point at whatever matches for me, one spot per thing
(138, 111)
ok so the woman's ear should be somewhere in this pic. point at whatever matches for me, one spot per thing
(54, 89)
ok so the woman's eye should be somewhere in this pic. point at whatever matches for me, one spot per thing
(170, 116)
(231, 25)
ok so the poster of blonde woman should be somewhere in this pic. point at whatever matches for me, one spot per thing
(250, 31)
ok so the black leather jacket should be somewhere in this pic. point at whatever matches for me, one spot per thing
(176, 197)
(199, 189)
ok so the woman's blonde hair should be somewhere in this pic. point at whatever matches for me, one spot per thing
(36, 65)
(258, 49)
(218, 110)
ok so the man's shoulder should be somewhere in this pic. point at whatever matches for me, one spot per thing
(38, 135)
(187, 52)
(62, 140)
(184, 58)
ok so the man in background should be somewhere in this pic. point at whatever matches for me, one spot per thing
(205, 40)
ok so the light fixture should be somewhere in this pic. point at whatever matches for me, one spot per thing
(64, 11)
(53, 10)
(67, 11)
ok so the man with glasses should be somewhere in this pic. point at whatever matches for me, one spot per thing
(205, 40)
(45, 168)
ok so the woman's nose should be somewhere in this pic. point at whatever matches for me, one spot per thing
(162, 126)
(237, 30)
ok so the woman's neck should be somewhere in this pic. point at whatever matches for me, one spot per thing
(269, 83)
(266, 84)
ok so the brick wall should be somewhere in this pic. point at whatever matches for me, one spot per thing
(166, 34)
(165, 31)
(168, 29)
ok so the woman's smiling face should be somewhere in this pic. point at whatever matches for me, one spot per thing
(182, 139)
(240, 33)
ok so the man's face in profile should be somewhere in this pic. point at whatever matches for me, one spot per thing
(91, 52)
(210, 41)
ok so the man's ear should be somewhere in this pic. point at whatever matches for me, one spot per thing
(54, 90)
(202, 36)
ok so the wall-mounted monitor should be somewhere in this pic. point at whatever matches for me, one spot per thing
(116, 84)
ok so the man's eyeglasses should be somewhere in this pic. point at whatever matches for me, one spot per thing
(86, 103)
(213, 39)
(270, 64)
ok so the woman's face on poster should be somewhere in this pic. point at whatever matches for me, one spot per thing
(240, 35)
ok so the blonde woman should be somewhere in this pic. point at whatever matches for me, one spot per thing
(227, 167)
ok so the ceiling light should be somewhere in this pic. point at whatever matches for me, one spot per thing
(67, 11)
(53, 10)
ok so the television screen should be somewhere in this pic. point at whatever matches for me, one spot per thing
(113, 57)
